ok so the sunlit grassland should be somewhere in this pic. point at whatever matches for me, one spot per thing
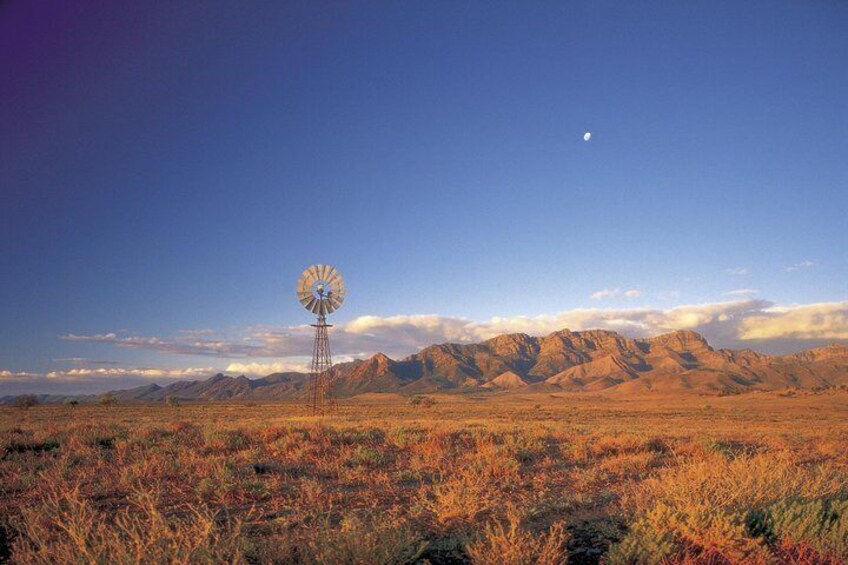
(758, 478)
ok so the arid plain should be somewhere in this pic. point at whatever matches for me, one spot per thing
(760, 477)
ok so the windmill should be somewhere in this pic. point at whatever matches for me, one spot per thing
(321, 290)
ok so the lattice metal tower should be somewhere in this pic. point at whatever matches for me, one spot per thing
(321, 290)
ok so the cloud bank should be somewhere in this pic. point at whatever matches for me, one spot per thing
(261, 350)
(94, 380)
(263, 369)
(725, 324)
(150, 373)
(7, 375)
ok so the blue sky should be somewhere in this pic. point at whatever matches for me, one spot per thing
(166, 174)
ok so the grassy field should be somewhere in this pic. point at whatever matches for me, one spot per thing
(758, 478)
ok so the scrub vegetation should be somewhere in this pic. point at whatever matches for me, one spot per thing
(491, 478)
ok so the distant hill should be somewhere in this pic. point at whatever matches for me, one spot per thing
(594, 360)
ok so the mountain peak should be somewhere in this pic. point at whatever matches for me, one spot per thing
(506, 381)
(685, 338)
(513, 344)
(380, 360)
(510, 338)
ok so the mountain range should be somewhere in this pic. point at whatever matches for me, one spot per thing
(564, 361)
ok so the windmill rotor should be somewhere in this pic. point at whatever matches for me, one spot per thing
(321, 289)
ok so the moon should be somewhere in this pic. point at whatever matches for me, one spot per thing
(587, 136)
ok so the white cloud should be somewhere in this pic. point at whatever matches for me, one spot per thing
(738, 271)
(85, 361)
(262, 369)
(605, 293)
(615, 292)
(742, 292)
(807, 264)
(828, 320)
(5, 374)
(181, 344)
(114, 372)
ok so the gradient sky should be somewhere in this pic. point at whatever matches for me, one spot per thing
(166, 174)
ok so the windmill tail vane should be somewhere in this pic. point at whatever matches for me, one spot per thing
(321, 290)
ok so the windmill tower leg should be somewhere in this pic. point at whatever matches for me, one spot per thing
(321, 364)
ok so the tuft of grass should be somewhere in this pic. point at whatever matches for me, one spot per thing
(508, 543)
(364, 456)
(68, 528)
(814, 530)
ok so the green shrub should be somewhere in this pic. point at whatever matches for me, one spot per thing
(820, 525)
(423, 401)
(643, 544)
(365, 457)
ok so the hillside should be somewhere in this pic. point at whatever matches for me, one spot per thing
(567, 361)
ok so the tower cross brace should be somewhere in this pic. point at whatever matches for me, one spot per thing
(322, 363)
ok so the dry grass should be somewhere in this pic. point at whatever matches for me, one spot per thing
(496, 478)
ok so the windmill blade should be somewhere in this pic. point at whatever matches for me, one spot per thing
(305, 289)
(331, 276)
(311, 304)
(301, 284)
(339, 285)
(315, 274)
(306, 299)
(307, 276)
(323, 270)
